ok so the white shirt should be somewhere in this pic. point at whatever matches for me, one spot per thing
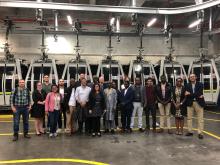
(61, 91)
(72, 101)
(82, 94)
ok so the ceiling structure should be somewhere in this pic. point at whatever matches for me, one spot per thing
(95, 22)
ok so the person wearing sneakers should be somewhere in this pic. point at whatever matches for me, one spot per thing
(20, 105)
(195, 102)
(163, 91)
(138, 108)
(52, 108)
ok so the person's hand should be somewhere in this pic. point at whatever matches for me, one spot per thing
(13, 109)
(187, 93)
(29, 107)
(201, 97)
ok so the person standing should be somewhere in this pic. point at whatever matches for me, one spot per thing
(70, 102)
(63, 91)
(118, 108)
(149, 101)
(52, 108)
(195, 102)
(20, 104)
(46, 86)
(111, 102)
(138, 108)
(82, 98)
(81, 77)
(163, 91)
(178, 101)
(96, 106)
(127, 106)
(38, 108)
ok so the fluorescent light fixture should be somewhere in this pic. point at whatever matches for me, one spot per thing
(195, 23)
(112, 21)
(151, 22)
(69, 19)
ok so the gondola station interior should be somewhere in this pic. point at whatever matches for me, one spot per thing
(110, 82)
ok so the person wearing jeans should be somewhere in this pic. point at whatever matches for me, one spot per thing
(163, 91)
(138, 108)
(20, 105)
(52, 108)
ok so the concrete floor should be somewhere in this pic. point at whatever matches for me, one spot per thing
(119, 149)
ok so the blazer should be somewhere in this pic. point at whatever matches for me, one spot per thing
(50, 102)
(195, 96)
(127, 99)
(168, 91)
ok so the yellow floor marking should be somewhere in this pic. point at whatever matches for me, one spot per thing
(213, 112)
(52, 160)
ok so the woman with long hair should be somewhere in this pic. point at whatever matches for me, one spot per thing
(38, 110)
(96, 108)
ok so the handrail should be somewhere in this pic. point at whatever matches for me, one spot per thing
(107, 8)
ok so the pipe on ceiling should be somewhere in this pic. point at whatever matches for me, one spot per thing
(105, 8)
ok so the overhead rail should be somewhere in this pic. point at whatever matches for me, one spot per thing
(107, 8)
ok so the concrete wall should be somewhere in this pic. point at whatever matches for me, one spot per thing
(94, 47)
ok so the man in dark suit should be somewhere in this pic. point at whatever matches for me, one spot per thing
(127, 95)
(195, 102)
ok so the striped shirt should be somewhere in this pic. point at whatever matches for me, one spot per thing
(20, 97)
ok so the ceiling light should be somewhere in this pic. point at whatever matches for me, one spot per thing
(195, 23)
(69, 19)
(151, 22)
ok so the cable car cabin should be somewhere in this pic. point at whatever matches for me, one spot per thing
(207, 73)
(172, 71)
(74, 68)
(9, 75)
(111, 70)
(37, 70)
(135, 70)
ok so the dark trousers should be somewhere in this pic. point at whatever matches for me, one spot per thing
(126, 117)
(95, 124)
(150, 109)
(88, 125)
(116, 116)
(16, 119)
(62, 113)
(54, 116)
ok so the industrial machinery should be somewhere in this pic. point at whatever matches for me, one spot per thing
(75, 67)
(168, 67)
(207, 72)
(43, 66)
(109, 68)
(10, 69)
(140, 67)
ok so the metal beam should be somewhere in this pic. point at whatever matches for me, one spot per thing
(104, 8)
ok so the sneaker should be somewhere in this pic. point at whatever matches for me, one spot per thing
(55, 134)
(50, 135)
(99, 134)
(59, 130)
(93, 134)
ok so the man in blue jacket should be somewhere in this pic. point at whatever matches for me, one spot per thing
(195, 102)
(127, 106)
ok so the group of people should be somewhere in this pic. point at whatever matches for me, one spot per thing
(81, 106)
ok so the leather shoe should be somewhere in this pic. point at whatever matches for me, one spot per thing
(200, 136)
(27, 136)
(15, 137)
(189, 134)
